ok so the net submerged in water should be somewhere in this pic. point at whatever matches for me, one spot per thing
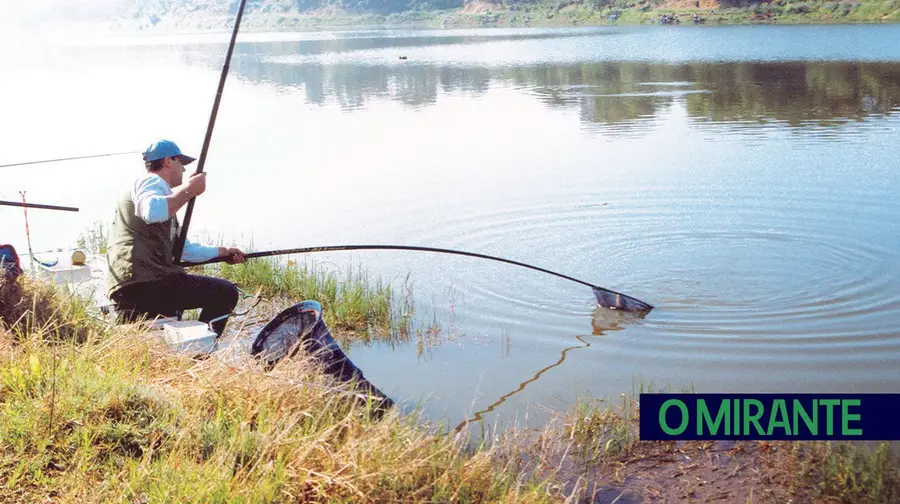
(301, 328)
(618, 301)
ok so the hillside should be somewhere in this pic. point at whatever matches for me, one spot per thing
(279, 14)
(192, 15)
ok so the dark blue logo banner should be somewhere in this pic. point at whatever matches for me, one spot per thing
(770, 416)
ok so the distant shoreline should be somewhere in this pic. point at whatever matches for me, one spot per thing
(213, 23)
(560, 13)
(501, 20)
(180, 17)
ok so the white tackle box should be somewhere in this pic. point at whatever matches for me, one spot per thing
(189, 336)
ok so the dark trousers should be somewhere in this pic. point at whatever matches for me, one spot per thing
(173, 294)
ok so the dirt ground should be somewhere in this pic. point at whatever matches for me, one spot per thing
(695, 471)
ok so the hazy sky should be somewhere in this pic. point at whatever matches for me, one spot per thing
(41, 6)
(39, 18)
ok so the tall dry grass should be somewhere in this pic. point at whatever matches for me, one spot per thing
(111, 416)
(90, 413)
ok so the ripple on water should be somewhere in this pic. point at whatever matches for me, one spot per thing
(776, 276)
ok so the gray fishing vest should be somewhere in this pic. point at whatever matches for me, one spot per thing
(137, 251)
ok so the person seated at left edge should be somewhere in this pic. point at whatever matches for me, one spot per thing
(144, 280)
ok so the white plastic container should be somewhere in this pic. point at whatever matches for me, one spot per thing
(67, 273)
(189, 336)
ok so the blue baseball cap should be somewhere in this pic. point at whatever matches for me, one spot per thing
(165, 148)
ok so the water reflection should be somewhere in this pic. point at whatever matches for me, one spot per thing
(603, 320)
(562, 358)
(612, 93)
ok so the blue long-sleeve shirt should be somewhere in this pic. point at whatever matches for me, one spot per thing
(150, 204)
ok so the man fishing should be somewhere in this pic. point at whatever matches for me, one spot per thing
(144, 280)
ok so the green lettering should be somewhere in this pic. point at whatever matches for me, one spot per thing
(754, 418)
(812, 425)
(684, 417)
(829, 415)
(722, 414)
(737, 417)
(779, 406)
(846, 417)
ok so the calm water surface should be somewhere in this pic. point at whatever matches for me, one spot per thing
(743, 179)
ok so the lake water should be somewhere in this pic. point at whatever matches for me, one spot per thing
(743, 180)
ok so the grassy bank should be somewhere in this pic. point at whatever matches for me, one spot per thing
(355, 306)
(112, 417)
(91, 413)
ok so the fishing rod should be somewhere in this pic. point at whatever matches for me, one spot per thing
(182, 237)
(67, 159)
(605, 297)
(48, 264)
(37, 205)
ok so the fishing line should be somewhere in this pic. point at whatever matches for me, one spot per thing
(67, 159)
